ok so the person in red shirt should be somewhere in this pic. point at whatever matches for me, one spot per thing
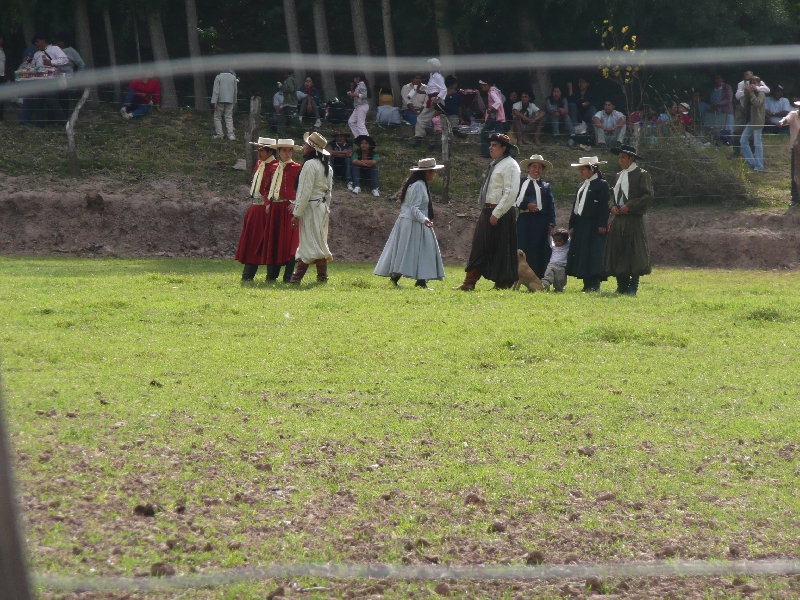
(683, 117)
(250, 250)
(281, 238)
(141, 92)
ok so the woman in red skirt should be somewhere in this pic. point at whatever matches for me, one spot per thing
(281, 239)
(251, 242)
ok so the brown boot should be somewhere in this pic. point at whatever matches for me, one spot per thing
(469, 281)
(322, 270)
(299, 272)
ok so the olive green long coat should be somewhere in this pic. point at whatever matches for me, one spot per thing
(627, 251)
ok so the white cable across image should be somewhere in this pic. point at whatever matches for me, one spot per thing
(682, 568)
(487, 63)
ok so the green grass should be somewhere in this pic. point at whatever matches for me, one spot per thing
(378, 410)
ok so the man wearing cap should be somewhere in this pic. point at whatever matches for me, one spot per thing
(627, 254)
(436, 91)
(312, 209)
(609, 125)
(536, 220)
(281, 239)
(494, 243)
(793, 121)
(495, 116)
(251, 241)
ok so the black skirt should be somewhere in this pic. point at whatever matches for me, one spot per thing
(494, 248)
(533, 238)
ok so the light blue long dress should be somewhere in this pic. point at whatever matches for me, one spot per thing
(412, 250)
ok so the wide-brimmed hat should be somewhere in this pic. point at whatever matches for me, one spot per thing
(434, 63)
(341, 133)
(502, 138)
(536, 158)
(316, 141)
(588, 161)
(263, 142)
(427, 164)
(285, 143)
(625, 149)
(360, 138)
(685, 105)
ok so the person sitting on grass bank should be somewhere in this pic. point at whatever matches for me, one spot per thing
(341, 152)
(412, 250)
(309, 106)
(250, 250)
(609, 126)
(140, 95)
(627, 253)
(223, 99)
(414, 99)
(528, 119)
(365, 165)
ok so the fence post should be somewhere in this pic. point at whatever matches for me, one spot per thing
(445, 157)
(72, 150)
(13, 575)
(252, 134)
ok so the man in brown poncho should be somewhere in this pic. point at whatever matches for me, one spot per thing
(627, 253)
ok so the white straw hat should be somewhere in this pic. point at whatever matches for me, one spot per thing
(263, 142)
(536, 158)
(427, 164)
(316, 141)
(588, 161)
(286, 143)
(434, 63)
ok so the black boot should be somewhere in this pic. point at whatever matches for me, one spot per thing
(623, 281)
(287, 271)
(421, 283)
(395, 279)
(633, 287)
(272, 272)
(299, 273)
(249, 272)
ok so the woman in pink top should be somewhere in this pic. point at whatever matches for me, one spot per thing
(495, 115)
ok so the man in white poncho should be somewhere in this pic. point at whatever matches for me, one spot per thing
(312, 208)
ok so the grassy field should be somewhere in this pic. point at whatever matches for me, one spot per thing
(352, 421)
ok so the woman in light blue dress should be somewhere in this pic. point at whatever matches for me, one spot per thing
(412, 250)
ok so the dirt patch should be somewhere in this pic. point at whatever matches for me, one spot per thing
(95, 219)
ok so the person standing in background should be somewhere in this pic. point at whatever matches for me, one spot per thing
(223, 99)
(754, 104)
(359, 92)
(495, 117)
(413, 97)
(436, 91)
(75, 64)
(793, 121)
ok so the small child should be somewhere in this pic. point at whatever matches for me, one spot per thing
(556, 272)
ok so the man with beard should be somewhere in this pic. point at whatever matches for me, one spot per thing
(312, 208)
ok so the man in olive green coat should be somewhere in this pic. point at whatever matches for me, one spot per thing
(627, 254)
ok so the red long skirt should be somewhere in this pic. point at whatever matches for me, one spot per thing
(282, 240)
(252, 240)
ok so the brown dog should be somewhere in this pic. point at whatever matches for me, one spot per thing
(526, 275)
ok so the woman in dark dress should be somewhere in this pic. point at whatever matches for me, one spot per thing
(537, 214)
(588, 225)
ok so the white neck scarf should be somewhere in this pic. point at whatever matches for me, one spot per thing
(621, 187)
(255, 187)
(524, 187)
(277, 179)
(582, 191)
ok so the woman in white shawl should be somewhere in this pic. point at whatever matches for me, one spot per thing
(412, 250)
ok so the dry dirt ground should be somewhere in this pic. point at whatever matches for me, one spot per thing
(97, 218)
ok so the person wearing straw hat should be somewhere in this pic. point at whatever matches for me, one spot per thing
(251, 241)
(793, 121)
(588, 225)
(312, 208)
(627, 253)
(536, 220)
(281, 240)
(494, 243)
(412, 250)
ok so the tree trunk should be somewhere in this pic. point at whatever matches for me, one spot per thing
(112, 54)
(531, 38)
(443, 32)
(388, 36)
(84, 39)
(169, 97)
(26, 16)
(323, 48)
(446, 131)
(72, 149)
(200, 100)
(251, 135)
(362, 41)
(293, 35)
(136, 37)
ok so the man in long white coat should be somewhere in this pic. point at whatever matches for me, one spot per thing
(312, 208)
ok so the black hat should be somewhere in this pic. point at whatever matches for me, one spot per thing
(625, 148)
(360, 138)
(503, 139)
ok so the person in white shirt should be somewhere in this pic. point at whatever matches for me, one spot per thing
(556, 272)
(436, 90)
(777, 107)
(609, 125)
(223, 99)
(527, 119)
(740, 116)
(494, 243)
(793, 121)
(414, 99)
(46, 108)
(48, 55)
